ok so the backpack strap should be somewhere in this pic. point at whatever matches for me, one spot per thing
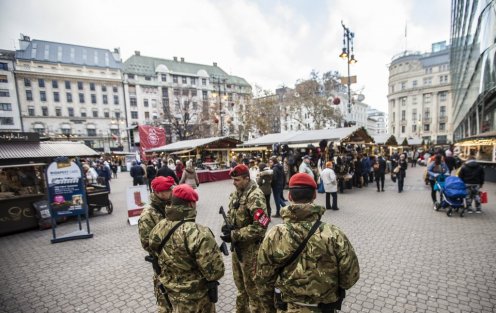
(301, 246)
(169, 234)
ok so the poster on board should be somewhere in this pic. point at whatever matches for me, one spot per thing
(136, 199)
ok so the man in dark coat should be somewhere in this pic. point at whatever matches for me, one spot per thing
(380, 172)
(277, 184)
(472, 175)
(137, 174)
(166, 171)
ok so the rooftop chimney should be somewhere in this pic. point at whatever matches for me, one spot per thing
(117, 54)
(175, 59)
(137, 53)
(182, 60)
(215, 64)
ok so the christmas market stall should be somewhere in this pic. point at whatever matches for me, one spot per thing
(23, 160)
(211, 155)
(484, 148)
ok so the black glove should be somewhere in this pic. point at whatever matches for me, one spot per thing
(226, 237)
(226, 229)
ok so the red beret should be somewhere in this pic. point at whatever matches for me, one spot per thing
(185, 192)
(162, 183)
(302, 179)
(239, 170)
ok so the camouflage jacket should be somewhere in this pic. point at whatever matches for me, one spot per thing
(327, 262)
(244, 213)
(152, 213)
(190, 257)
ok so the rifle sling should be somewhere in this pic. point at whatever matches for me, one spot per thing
(169, 234)
(301, 246)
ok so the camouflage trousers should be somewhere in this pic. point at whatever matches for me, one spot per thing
(202, 305)
(473, 195)
(294, 308)
(163, 307)
(247, 298)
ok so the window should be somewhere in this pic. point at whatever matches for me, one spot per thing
(145, 103)
(41, 83)
(83, 113)
(95, 113)
(5, 92)
(414, 114)
(148, 78)
(195, 105)
(114, 89)
(403, 115)
(443, 79)
(42, 95)
(204, 81)
(134, 114)
(174, 79)
(80, 85)
(27, 82)
(414, 100)
(185, 92)
(403, 85)
(193, 92)
(442, 111)
(6, 121)
(66, 131)
(68, 96)
(5, 107)
(403, 101)
(165, 92)
(426, 127)
(176, 92)
(193, 81)
(58, 112)
(442, 126)
(3, 79)
(117, 115)
(4, 66)
(91, 132)
(414, 128)
(394, 117)
(93, 98)
(428, 70)
(147, 115)
(130, 76)
(184, 80)
(55, 84)
(427, 98)
(31, 111)
(44, 111)
(106, 114)
(67, 84)
(133, 102)
(204, 95)
(104, 88)
(163, 77)
(105, 99)
(414, 83)
(56, 97)
(116, 99)
(81, 98)
(427, 81)
(92, 86)
(403, 129)
(442, 96)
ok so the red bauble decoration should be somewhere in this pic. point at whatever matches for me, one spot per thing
(216, 120)
(336, 101)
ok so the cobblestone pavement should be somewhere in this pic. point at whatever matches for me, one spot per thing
(412, 258)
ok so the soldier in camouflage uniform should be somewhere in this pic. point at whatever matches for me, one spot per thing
(248, 216)
(153, 213)
(190, 259)
(325, 268)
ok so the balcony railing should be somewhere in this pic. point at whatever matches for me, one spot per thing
(443, 119)
(427, 120)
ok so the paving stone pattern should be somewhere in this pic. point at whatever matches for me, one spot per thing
(412, 258)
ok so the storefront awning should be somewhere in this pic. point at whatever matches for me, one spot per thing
(182, 152)
(44, 149)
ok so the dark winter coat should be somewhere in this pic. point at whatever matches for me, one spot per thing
(472, 173)
(166, 171)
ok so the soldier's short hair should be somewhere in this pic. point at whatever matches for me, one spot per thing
(302, 194)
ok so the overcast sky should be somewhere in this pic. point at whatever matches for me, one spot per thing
(268, 42)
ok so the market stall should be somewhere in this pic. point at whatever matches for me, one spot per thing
(23, 159)
(211, 155)
(484, 148)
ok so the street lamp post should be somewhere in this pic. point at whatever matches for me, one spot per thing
(348, 55)
(219, 80)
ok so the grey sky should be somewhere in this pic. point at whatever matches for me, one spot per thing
(269, 43)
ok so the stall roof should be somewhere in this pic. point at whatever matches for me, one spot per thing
(381, 138)
(307, 136)
(191, 144)
(44, 149)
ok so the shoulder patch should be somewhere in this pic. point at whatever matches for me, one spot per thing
(261, 217)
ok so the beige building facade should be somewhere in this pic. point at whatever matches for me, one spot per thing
(420, 96)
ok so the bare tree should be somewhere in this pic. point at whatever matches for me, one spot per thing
(262, 116)
(312, 100)
(183, 114)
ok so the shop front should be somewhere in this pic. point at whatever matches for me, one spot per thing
(484, 148)
(23, 160)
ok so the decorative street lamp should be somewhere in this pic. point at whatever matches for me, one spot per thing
(349, 56)
(219, 80)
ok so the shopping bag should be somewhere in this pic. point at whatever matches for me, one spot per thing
(483, 196)
(321, 187)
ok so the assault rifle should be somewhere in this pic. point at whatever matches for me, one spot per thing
(226, 229)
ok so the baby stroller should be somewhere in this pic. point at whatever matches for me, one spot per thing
(452, 194)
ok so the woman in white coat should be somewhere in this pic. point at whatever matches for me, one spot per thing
(330, 186)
